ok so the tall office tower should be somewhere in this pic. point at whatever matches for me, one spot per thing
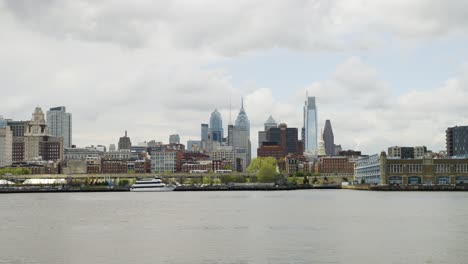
(263, 135)
(38, 143)
(457, 140)
(287, 138)
(204, 132)
(230, 135)
(329, 139)
(241, 135)
(174, 139)
(310, 126)
(6, 143)
(124, 142)
(59, 123)
(270, 123)
(216, 126)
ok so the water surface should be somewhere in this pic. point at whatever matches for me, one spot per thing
(309, 226)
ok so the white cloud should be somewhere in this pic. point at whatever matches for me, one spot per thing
(142, 65)
(367, 115)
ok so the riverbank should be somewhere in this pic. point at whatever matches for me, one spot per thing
(424, 188)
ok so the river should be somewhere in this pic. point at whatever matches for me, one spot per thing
(308, 226)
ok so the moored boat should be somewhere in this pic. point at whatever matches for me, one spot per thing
(151, 185)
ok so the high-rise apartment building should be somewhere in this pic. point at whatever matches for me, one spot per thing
(310, 126)
(124, 142)
(329, 139)
(6, 143)
(216, 126)
(59, 123)
(457, 140)
(174, 139)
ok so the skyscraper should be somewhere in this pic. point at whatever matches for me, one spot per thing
(6, 143)
(59, 123)
(124, 142)
(457, 140)
(310, 126)
(204, 132)
(216, 126)
(241, 136)
(174, 139)
(329, 139)
(263, 135)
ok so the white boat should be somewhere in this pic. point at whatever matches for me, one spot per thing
(151, 185)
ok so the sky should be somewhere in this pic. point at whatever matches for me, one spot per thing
(385, 73)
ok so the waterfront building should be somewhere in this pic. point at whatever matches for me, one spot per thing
(310, 126)
(295, 164)
(59, 123)
(367, 169)
(407, 152)
(216, 126)
(114, 166)
(427, 170)
(6, 144)
(457, 140)
(174, 139)
(164, 161)
(329, 139)
(124, 142)
(336, 166)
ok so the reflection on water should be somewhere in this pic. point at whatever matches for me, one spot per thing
(310, 226)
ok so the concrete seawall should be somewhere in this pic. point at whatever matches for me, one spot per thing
(389, 188)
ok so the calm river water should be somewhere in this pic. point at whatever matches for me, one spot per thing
(310, 226)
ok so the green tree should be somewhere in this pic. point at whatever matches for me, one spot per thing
(267, 173)
(257, 163)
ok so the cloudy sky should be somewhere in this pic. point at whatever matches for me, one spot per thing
(385, 72)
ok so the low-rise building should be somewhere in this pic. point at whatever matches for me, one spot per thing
(383, 170)
(336, 166)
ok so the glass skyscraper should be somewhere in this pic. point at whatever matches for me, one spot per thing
(216, 126)
(310, 126)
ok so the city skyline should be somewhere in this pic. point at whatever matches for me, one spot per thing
(379, 78)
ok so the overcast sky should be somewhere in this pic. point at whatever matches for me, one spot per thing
(385, 72)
